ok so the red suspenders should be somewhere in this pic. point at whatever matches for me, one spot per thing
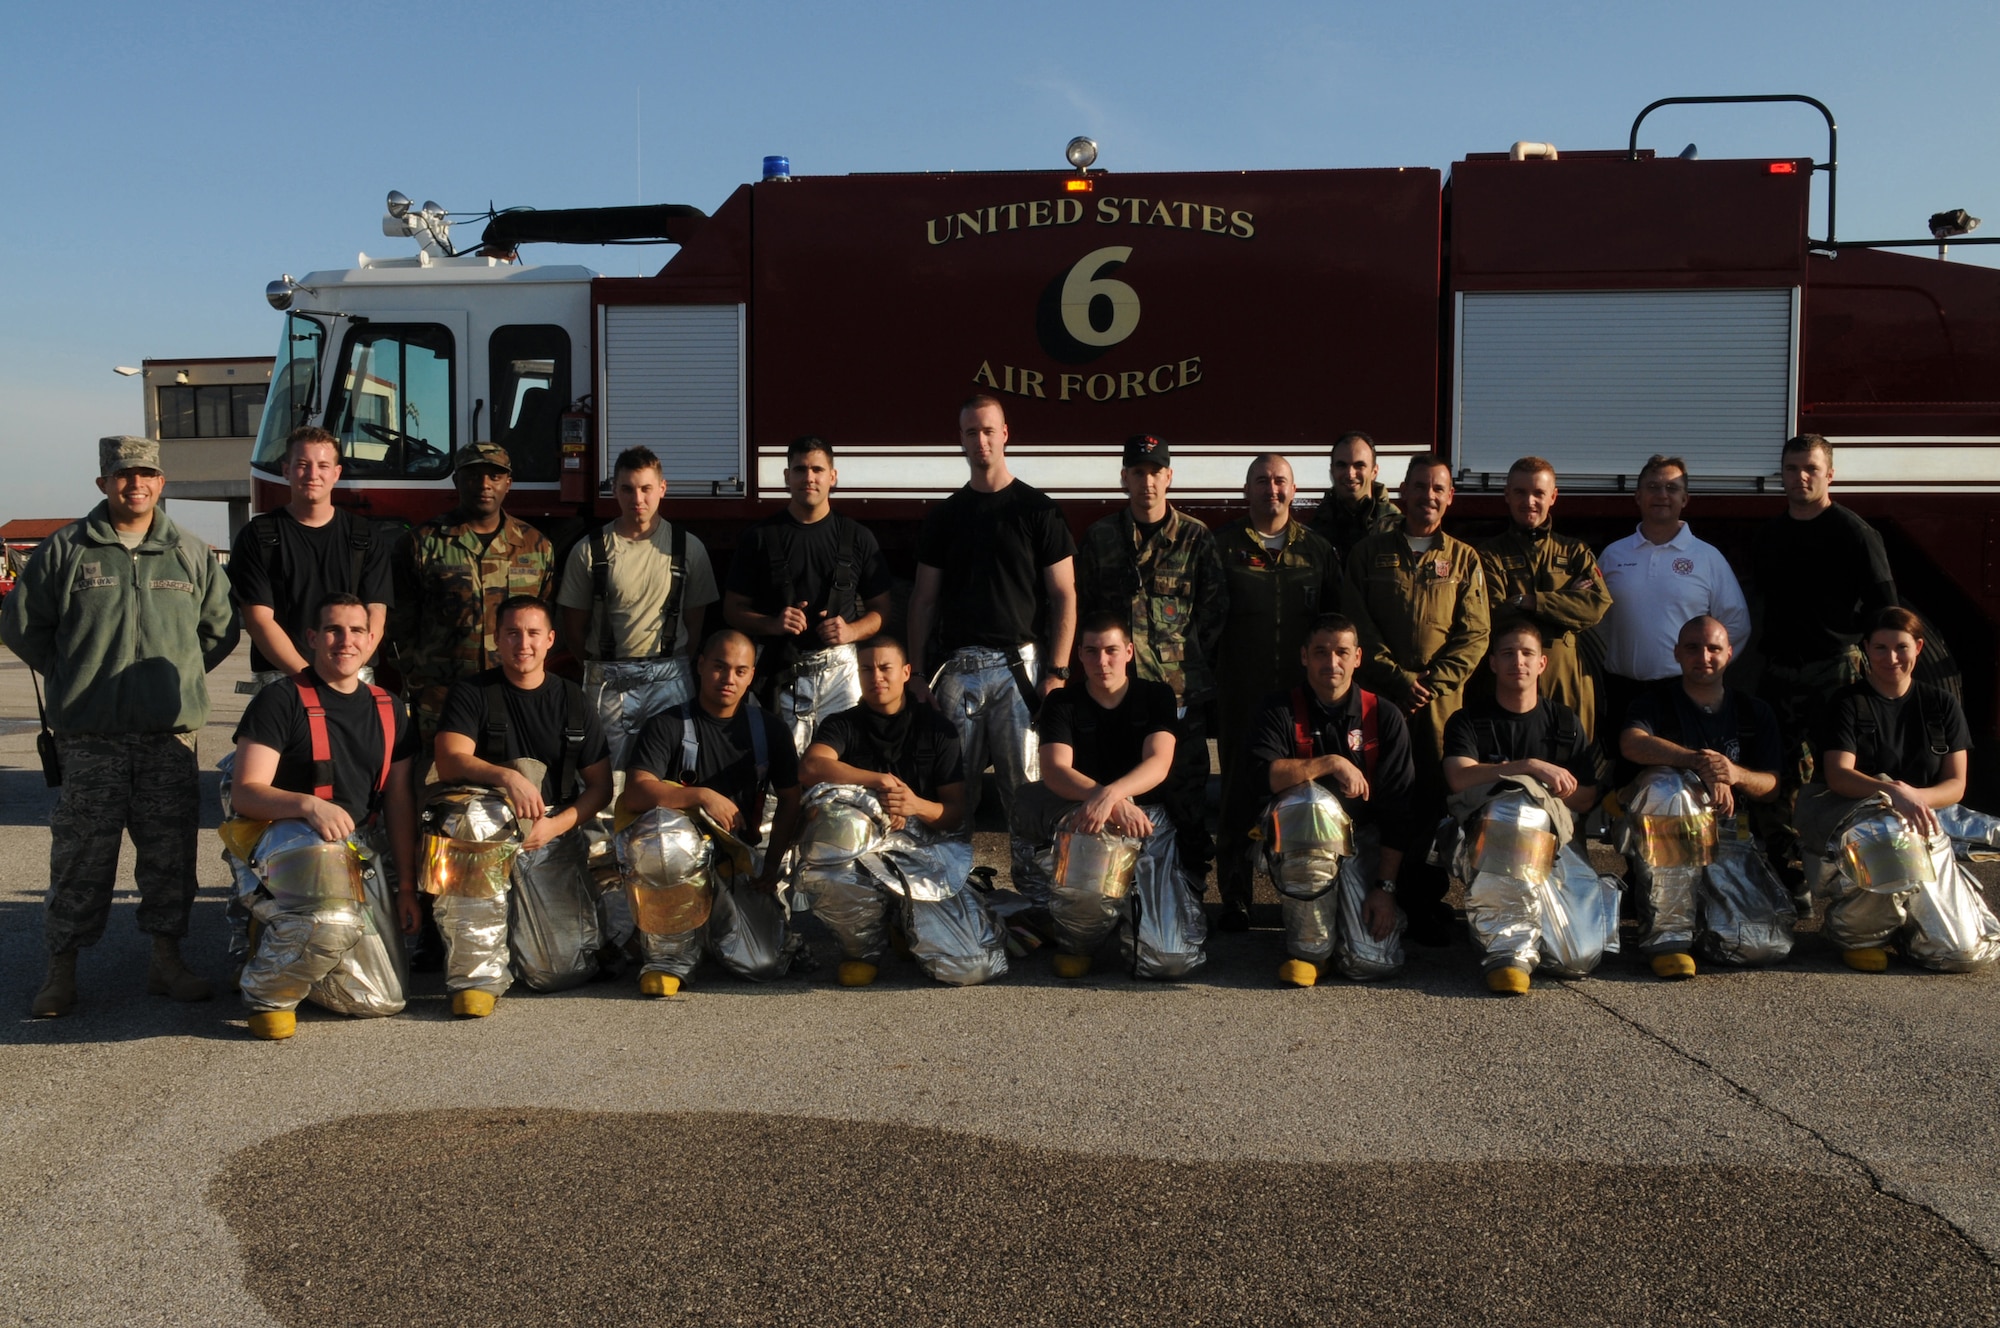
(322, 745)
(1302, 735)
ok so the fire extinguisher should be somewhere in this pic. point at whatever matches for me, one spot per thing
(576, 467)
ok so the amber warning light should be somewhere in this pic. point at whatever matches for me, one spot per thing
(1077, 186)
(1783, 168)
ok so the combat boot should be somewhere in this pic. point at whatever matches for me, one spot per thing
(58, 994)
(170, 977)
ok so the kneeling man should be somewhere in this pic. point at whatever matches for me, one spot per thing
(896, 768)
(325, 759)
(1334, 853)
(1707, 751)
(1520, 770)
(1105, 746)
(713, 758)
(532, 738)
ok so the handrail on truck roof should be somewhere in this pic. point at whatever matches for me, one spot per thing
(1831, 165)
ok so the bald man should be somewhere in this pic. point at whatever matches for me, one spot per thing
(1281, 577)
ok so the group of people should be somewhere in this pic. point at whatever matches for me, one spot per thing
(1392, 708)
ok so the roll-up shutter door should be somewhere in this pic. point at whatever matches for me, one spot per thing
(1597, 381)
(673, 381)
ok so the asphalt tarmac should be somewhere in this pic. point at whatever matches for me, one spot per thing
(1796, 1145)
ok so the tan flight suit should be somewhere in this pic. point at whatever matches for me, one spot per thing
(1419, 613)
(1570, 598)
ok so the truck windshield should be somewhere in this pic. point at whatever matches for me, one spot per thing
(391, 401)
(294, 388)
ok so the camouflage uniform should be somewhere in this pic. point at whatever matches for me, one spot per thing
(1171, 589)
(1273, 600)
(1419, 613)
(124, 637)
(449, 587)
(1570, 598)
(1343, 525)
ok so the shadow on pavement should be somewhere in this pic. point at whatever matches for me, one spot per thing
(535, 1216)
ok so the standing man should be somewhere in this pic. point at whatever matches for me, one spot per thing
(994, 563)
(1659, 577)
(632, 600)
(451, 575)
(1281, 577)
(1823, 575)
(1157, 568)
(1356, 504)
(285, 562)
(1552, 580)
(805, 585)
(1418, 600)
(124, 613)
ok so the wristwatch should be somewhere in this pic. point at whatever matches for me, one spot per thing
(1386, 886)
(1059, 671)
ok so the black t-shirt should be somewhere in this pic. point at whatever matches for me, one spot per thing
(781, 562)
(308, 563)
(991, 548)
(916, 744)
(1895, 737)
(725, 756)
(1106, 745)
(1742, 728)
(535, 723)
(1822, 581)
(1493, 735)
(276, 718)
(1338, 729)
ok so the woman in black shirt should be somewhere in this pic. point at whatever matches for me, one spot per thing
(1893, 737)
(1890, 734)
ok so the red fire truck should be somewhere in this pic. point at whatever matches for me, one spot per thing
(1589, 307)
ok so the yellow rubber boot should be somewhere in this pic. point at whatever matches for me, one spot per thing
(1297, 973)
(658, 984)
(1869, 959)
(472, 1003)
(857, 973)
(273, 1025)
(1069, 965)
(1508, 981)
(1673, 966)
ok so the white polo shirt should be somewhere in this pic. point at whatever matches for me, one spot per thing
(1655, 589)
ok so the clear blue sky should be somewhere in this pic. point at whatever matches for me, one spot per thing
(163, 161)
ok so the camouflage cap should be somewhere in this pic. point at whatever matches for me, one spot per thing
(127, 453)
(485, 454)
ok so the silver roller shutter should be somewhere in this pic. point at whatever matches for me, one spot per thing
(673, 381)
(1597, 381)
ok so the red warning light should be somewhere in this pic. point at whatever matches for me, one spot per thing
(1077, 186)
(1783, 168)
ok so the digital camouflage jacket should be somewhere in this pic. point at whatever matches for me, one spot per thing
(449, 587)
(1170, 587)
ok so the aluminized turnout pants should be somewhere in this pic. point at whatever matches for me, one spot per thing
(926, 879)
(1668, 838)
(823, 683)
(1531, 901)
(1323, 866)
(1328, 927)
(1891, 886)
(325, 925)
(626, 693)
(976, 691)
(552, 929)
